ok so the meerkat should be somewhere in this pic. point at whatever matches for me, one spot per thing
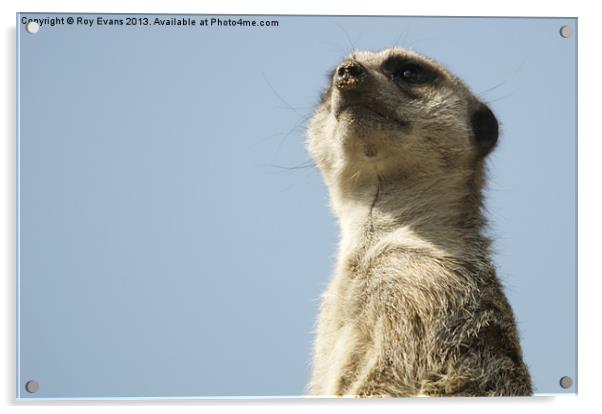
(414, 307)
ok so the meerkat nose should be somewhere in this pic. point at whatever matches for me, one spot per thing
(349, 75)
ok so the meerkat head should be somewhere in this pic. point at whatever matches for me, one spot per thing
(395, 113)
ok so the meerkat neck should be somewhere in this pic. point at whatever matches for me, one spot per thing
(445, 212)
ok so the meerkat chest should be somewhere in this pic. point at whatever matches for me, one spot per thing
(349, 325)
(354, 286)
(387, 273)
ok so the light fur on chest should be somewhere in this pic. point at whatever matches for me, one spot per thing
(352, 325)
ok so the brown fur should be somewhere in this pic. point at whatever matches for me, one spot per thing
(414, 307)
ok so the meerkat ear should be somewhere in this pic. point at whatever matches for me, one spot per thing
(485, 129)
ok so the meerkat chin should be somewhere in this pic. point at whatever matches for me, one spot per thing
(414, 307)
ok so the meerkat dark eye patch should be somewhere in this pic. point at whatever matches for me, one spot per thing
(485, 129)
(408, 71)
(411, 73)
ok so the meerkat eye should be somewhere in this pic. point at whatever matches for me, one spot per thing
(411, 74)
(407, 71)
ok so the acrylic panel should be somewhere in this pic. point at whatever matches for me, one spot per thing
(174, 235)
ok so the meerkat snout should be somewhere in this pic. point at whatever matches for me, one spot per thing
(349, 75)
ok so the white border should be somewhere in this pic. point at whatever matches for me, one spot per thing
(589, 201)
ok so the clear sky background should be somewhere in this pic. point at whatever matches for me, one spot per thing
(169, 245)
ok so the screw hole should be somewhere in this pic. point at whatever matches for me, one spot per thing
(566, 382)
(32, 386)
(32, 27)
(566, 31)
